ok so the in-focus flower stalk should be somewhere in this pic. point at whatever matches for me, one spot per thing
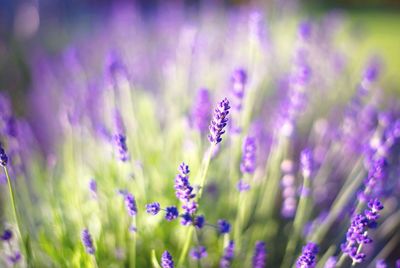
(25, 240)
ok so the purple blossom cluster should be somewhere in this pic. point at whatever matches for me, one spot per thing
(166, 260)
(219, 121)
(87, 242)
(229, 254)
(289, 190)
(201, 111)
(308, 257)
(248, 164)
(357, 234)
(259, 255)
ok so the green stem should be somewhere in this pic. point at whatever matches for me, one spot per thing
(299, 220)
(14, 207)
(341, 260)
(154, 260)
(204, 169)
(95, 262)
(132, 262)
(26, 241)
(186, 246)
(343, 198)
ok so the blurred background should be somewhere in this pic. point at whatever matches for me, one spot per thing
(29, 27)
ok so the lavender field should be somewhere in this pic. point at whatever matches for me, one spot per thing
(255, 136)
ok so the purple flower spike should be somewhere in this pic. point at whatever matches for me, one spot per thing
(3, 157)
(183, 189)
(93, 187)
(219, 122)
(308, 257)
(239, 79)
(153, 208)
(6, 235)
(130, 204)
(171, 213)
(248, 164)
(373, 69)
(223, 226)
(357, 234)
(166, 260)
(229, 254)
(201, 110)
(306, 161)
(260, 255)
(122, 148)
(198, 253)
(87, 242)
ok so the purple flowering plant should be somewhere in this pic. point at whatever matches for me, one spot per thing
(195, 151)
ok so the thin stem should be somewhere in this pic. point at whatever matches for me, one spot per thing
(17, 220)
(204, 169)
(341, 260)
(95, 262)
(299, 220)
(132, 261)
(186, 246)
(12, 197)
(154, 260)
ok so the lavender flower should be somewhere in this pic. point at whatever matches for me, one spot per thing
(6, 235)
(228, 256)
(260, 255)
(183, 189)
(289, 193)
(198, 253)
(238, 79)
(357, 234)
(201, 110)
(371, 72)
(153, 208)
(223, 226)
(88, 242)
(330, 262)
(3, 157)
(381, 264)
(93, 187)
(14, 258)
(219, 122)
(171, 213)
(305, 30)
(306, 162)
(248, 164)
(166, 260)
(308, 256)
(242, 186)
(186, 219)
(130, 204)
(190, 207)
(122, 148)
(199, 221)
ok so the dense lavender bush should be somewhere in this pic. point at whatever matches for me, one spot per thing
(287, 151)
